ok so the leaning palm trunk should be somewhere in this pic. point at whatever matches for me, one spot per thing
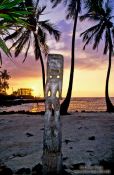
(110, 107)
(43, 72)
(66, 102)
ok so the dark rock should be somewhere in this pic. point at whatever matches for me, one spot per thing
(37, 170)
(91, 138)
(77, 166)
(23, 171)
(107, 165)
(70, 147)
(89, 151)
(67, 141)
(42, 129)
(62, 173)
(19, 155)
(4, 170)
(80, 128)
(64, 167)
(65, 158)
(29, 134)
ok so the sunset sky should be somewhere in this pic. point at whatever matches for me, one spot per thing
(90, 66)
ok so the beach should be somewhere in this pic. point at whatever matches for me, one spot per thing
(87, 138)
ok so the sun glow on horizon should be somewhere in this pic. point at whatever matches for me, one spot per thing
(87, 83)
(34, 83)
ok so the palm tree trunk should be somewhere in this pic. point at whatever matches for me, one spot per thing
(110, 107)
(66, 102)
(43, 72)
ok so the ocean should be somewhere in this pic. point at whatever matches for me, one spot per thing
(76, 104)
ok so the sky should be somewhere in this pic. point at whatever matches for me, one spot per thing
(90, 66)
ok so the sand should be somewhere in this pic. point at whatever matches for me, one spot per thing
(87, 138)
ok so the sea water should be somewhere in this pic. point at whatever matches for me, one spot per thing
(76, 104)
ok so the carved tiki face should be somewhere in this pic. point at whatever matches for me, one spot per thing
(55, 66)
(54, 73)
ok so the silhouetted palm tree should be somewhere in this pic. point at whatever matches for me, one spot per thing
(37, 30)
(73, 9)
(101, 14)
(4, 76)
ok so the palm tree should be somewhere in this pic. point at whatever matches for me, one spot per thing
(5, 86)
(73, 9)
(5, 75)
(37, 30)
(3, 80)
(10, 15)
(104, 28)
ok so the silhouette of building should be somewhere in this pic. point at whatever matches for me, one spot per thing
(23, 92)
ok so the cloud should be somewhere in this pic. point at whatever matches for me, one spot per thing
(18, 70)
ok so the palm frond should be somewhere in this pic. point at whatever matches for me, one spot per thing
(41, 9)
(29, 3)
(39, 12)
(91, 16)
(71, 9)
(55, 2)
(14, 35)
(41, 35)
(98, 35)
(91, 5)
(4, 47)
(50, 28)
(88, 35)
(17, 41)
(108, 9)
(23, 40)
(36, 4)
(92, 29)
(27, 49)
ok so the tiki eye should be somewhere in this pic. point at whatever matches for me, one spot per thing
(58, 76)
(49, 93)
(57, 94)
